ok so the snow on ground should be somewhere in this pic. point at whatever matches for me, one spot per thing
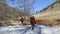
(38, 29)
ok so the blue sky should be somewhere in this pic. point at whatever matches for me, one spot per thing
(38, 5)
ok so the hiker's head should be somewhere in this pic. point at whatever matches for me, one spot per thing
(32, 17)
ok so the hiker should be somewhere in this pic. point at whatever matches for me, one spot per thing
(32, 22)
(22, 19)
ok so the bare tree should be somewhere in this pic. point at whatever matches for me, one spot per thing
(25, 6)
(2, 1)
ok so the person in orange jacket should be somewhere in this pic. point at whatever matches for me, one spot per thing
(22, 19)
(32, 21)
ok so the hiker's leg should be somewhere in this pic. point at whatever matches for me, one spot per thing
(22, 21)
(33, 26)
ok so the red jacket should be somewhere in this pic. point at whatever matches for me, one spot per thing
(32, 20)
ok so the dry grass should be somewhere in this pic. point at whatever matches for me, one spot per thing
(48, 23)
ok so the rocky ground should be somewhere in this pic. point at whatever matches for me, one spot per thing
(38, 29)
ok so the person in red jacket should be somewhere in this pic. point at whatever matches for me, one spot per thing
(22, 19)
(32, 21)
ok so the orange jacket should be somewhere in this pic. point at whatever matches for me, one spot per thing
(22, 18)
